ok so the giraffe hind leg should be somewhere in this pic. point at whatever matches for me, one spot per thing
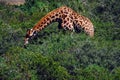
(78, 29)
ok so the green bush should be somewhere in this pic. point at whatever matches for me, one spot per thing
(116, 73)
(93, 72)
(19, 63)
(54, 54)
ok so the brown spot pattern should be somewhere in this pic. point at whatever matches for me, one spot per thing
(68, 17)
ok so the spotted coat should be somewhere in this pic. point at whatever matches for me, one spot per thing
(67, 18)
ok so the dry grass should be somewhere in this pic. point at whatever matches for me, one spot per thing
(13, 2)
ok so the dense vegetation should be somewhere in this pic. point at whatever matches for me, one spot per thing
(54, 54)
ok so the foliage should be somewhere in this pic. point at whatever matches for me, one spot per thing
(23, 64)
(55, 54)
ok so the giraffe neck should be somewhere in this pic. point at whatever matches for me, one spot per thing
(53, 16)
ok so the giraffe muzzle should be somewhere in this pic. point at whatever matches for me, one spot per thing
(26, 42)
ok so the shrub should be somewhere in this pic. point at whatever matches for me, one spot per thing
(54, 54)
(92, 72)
(19, 63)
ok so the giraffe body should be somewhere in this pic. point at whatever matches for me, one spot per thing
(68, 20)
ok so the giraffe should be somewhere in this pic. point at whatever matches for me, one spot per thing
(67, 18)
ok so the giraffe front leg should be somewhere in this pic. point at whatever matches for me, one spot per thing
(73, 30)
(59, 25)
(63, 27)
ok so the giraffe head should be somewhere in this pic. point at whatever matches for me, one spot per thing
(29, 35)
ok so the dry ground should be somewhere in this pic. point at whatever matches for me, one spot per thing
(13, 2)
